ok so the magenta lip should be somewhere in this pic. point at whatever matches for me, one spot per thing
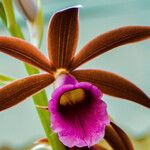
(83, 125)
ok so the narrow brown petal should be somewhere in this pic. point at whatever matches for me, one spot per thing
(113, 139)
(19, 90)
(63, 36)
(117, 138)
(108, 41)
(24, 51)
(114, 85)
(127, 142)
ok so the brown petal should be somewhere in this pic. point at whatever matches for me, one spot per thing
(19, 90)
(127, 142)
(63, 36)
(117, 138)
(108, 41)
(24, 51)
(113, 85)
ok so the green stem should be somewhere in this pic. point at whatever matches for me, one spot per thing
(40, 98)
(55, 142)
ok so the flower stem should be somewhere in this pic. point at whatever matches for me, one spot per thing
(40, 98)
(56, 144)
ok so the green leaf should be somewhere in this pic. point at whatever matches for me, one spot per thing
(12, 25)
(5, 79)
(2, 14)
(7, 4)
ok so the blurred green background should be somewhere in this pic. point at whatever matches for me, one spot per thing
(20, 125)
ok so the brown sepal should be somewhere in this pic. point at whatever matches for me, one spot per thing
(117, 138)
(26, 52)
(63, 36)
(19, 90)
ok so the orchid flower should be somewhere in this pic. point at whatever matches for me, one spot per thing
(78, 113)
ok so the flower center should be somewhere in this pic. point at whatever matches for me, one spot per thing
(73, 97)
(60, 71)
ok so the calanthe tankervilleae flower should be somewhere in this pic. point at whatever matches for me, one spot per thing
(78, 113)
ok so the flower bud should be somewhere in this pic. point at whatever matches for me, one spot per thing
(32, 11)
(28, 8)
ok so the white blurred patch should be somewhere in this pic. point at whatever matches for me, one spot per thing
(42, 147)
